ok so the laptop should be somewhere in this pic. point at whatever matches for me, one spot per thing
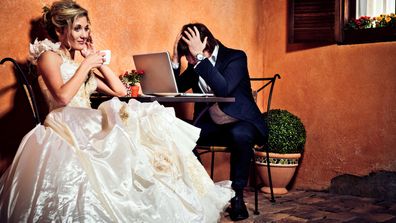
(158, 78)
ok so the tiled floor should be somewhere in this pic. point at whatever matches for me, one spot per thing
(310, 206)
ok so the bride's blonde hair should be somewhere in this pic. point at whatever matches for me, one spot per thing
(61, 15)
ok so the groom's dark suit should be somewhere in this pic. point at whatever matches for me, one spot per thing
(228, 78)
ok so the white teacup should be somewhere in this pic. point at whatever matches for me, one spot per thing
(107, 56)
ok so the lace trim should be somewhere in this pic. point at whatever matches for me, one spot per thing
(39, 47)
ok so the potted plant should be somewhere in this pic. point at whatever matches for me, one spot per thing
(130, 79)
(286, 142)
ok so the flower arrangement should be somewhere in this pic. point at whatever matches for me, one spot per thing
(367, 22)
(385, 20)
(364, 22)
(132, 77)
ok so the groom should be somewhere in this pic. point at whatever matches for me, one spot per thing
(214, 68)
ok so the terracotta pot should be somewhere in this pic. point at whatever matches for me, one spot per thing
(134, 90)
(282, 166)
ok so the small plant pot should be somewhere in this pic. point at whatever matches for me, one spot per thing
(282, 167)
(134, 90)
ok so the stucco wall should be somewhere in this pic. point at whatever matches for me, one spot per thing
(343, 94)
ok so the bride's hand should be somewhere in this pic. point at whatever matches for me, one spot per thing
(95, 60)
(89, 48)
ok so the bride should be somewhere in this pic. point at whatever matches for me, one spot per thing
(124, 162)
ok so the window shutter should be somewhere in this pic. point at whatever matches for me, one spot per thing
(311, 21)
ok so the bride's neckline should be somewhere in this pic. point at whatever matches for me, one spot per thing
(67, 56)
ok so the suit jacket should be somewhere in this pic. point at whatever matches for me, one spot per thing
(228, 78)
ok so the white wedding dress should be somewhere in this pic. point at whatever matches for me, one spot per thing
(124, 162)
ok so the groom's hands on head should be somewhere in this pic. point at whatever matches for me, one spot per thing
(193, 40)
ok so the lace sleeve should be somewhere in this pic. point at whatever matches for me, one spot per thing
(39, 47)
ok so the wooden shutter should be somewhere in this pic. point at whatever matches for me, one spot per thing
(311, 21)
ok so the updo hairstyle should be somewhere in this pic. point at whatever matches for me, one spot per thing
(61, 15)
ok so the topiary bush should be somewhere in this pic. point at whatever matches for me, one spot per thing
(286, 132)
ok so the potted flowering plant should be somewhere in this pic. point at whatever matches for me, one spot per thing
(130, 79)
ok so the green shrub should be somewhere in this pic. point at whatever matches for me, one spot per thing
(286, 132)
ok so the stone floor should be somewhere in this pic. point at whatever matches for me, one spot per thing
(311, 206)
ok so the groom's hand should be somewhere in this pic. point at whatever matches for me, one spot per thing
(193, 40)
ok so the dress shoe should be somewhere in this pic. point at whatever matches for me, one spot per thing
(238, 209)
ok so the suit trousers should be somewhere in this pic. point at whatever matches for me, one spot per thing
(239, 136)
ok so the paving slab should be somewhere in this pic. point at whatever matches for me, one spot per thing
(317, 207)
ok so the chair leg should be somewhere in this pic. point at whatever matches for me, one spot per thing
(255, 212)
(269, 177)
(212, 165)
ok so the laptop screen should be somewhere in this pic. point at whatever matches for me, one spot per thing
(158, 75)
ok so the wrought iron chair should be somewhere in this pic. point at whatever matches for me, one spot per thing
(200, 150)
(27, 87)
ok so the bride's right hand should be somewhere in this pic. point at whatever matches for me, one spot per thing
(95, 60)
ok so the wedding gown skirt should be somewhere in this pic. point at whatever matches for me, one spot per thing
(121, 163)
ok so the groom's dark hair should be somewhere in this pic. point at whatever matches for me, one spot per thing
(182, 47)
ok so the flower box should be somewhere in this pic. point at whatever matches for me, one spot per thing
(369, 35)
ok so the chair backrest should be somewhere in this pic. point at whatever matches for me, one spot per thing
(27, 88)
(267, 82)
